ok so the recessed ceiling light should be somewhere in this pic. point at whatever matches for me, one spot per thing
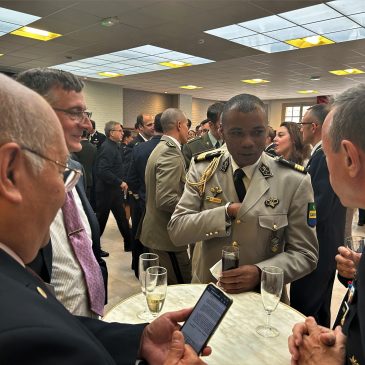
(109, 74)
(175, 64)
(110, 21)
(348, 71)
(315, 78)
(190, 87)
(307, 92)
(39, 34)
(255, 81)
(312, 41)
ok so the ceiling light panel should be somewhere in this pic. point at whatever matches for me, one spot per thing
(348, 7)
(132, 61)
(292, 30)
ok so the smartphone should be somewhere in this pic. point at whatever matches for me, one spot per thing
(205, 317)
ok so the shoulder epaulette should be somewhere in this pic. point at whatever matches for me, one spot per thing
(208, 155)
(291, 164)
(194, 139)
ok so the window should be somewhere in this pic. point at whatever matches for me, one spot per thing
(294, 112)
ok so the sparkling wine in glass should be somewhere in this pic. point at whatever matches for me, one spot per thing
(356, 244)
(156, 285)
(272, 280)
(146, 260)
(230, 257)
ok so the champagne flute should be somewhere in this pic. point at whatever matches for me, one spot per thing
(156, 285)
(272, 279)
(356, 244)
(146, 260)
(230, 257)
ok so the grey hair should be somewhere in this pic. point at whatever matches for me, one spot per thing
(24, 120)
(109, 126)
(170, 117)
(244, 103)
(44, 80)
(320, 111)
(349, 118)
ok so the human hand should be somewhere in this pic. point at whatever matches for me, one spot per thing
(347, 262)
(233, 209)
(181, 354)
(325, 348)
(301, 330)
(124, 186)
(244, 278)
(156, 337)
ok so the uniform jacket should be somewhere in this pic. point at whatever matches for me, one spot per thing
(196, 145)
(136, 172)
(87, 158)
(97, 139)
(165, 179)
(36, 330)
(42, 264)
(271, 226)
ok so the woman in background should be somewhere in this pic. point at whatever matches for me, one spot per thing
(289, 143)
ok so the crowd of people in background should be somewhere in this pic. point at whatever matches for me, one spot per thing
(181, 190)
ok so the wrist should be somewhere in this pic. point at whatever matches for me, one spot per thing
(228, 212)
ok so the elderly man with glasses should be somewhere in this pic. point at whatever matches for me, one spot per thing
(71, 263)
(110, 183)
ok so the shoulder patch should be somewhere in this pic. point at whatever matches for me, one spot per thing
(171, 144)
(207, 155)
(225, 165)
(311, 215)
(292, 165)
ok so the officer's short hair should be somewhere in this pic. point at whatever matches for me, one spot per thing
(170, 117)
(158, 126)
(320, 111)
(214, 112)
(109, 126)
(349, 118)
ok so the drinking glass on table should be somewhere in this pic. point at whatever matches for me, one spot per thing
(230, 257)
(146, 260)
(156, 285)
(272, 279)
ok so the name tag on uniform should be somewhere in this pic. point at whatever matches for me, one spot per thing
(213, 199)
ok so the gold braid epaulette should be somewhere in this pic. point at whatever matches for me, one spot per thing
(207, 174)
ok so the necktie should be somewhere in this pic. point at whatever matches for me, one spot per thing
(81, 244)
(217, 144)
(238, 184)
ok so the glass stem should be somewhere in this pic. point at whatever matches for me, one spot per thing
(268, 320)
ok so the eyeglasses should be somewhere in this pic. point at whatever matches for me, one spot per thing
(77, 115)
(116, 130)
(301, 124)
(73, 175)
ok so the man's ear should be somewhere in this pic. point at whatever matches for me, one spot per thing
(9, 172)
(351, 158)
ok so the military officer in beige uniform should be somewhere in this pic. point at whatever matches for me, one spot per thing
(274, 223)
(165, 180)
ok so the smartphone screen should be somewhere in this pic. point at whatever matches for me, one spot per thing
(205, 317)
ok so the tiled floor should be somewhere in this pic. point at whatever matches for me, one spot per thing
(123, 283)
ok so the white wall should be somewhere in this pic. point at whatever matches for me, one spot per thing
(105, 101)
(199, 110)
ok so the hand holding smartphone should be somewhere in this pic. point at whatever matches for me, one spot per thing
(205, 317)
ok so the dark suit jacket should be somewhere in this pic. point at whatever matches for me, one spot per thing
(42, 264)
(40, 331)
(137, 168)
(109, 167)
(127, 153)
(97, 139)
(87, 158)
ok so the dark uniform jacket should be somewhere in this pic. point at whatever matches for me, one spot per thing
(196, 145)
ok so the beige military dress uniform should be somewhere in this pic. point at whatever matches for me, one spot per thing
(274, 225)
(165, 180)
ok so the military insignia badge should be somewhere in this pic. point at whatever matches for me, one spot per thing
(353, 360)
(265, 170)
(272, 202)
(213, 199)
(216, 190)
(311, 215)
(225, 165)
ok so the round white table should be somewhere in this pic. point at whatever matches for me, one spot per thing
(235, 341)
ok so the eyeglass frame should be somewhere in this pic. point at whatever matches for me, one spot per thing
(299, 123)
(75, 115)
(70, 182)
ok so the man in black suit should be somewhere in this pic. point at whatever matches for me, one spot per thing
(311, 295)
(96, 138)
(58, 261)
(35, 328)
(110, 184)
(343, 137)
(136, 183)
